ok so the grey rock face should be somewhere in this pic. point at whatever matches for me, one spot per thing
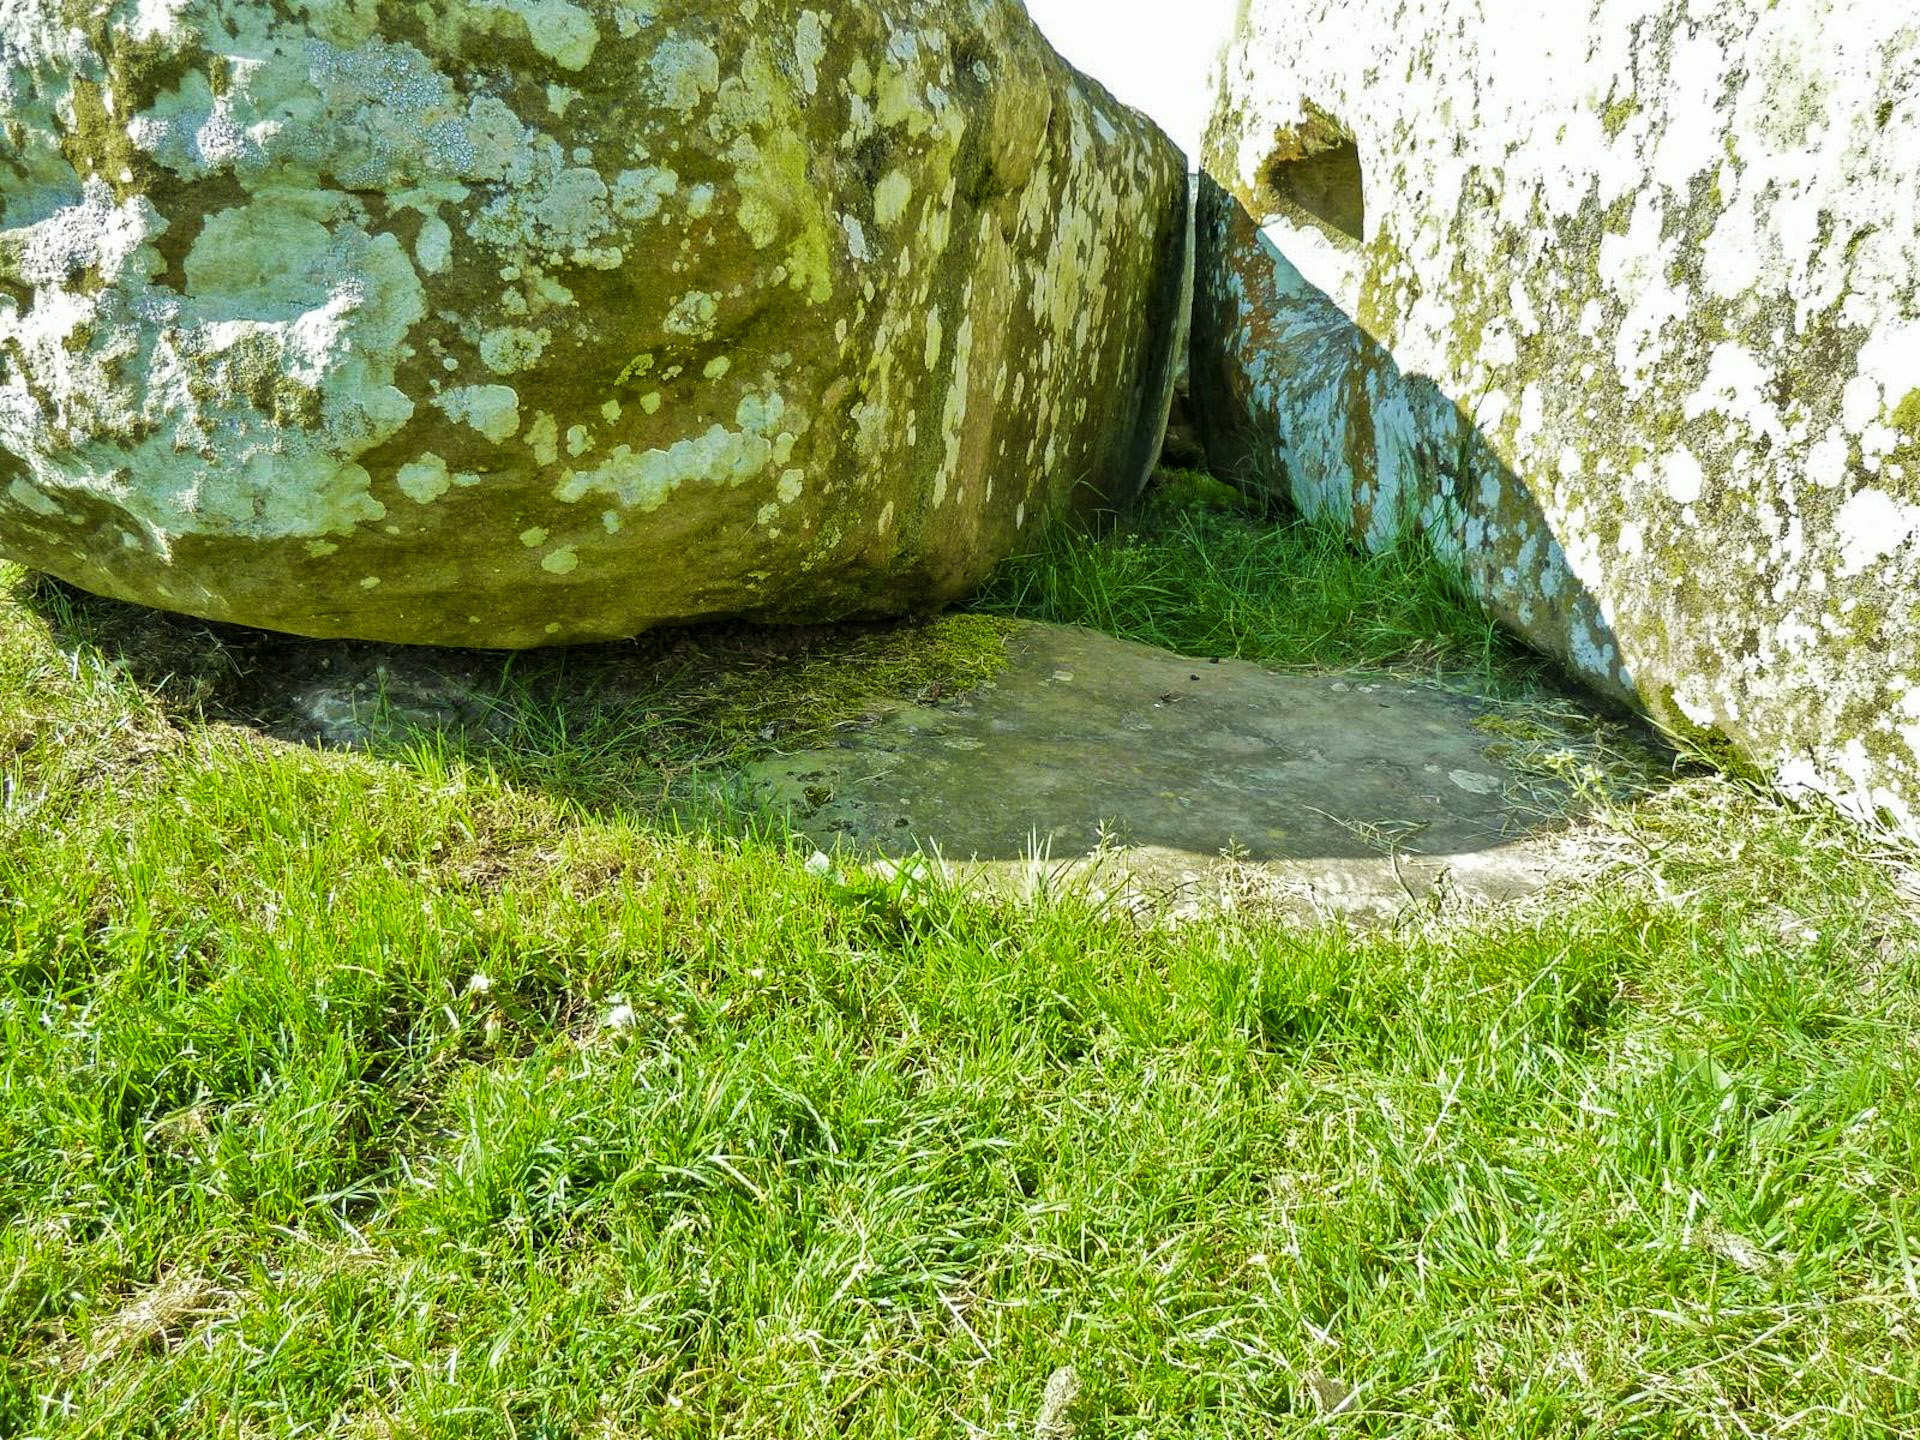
(511, 322)
(1617, 303)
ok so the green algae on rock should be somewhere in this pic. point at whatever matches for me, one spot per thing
(517, 322)
(1617, 302)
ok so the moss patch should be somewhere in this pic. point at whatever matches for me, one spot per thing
(1616, 116)
(1704, 744)
(1906, 419)
(1174, 489)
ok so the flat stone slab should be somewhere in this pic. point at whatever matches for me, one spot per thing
(1135, 771)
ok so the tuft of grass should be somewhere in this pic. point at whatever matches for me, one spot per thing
(439, 1089)
(1200, 578)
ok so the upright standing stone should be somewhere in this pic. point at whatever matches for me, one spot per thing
(1616, 300)
(506, 322)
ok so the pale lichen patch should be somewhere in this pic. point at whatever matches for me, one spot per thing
(425, 480)
(433, 249)
(891, 197)
(809, 49)
(564, 33)
(510, 349)
(493, 410)
(682, 71)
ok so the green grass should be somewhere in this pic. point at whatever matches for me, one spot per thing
(441, 1089)
(1203, 580)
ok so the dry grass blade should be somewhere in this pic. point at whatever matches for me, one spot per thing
(157, 1316)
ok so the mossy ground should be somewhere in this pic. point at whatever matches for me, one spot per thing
(443, 1088)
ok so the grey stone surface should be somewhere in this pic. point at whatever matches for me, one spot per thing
(1094, 760)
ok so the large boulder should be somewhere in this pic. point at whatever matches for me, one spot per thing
(1617, 301)
(511, 322)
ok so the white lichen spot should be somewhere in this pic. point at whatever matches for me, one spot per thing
(1827, 459)
(886, 517)
(890, 198)
(935, 336)
(425, 480)
(33, 498)
(562, 32)
(320, 549)
(433, 248)
(610, 411)
(579, 440)
(791, 483)
(1870, 526)
(533, 539)
(683, 70)
(543, 438)
(560, 562)
(509, 349)
(856, 234)
(1473, 782)
(644, 480)
(809, 49)
(651, 402)
(1860, 403)
(638, 194)
(1683, 476)
(370, 582)
(716, 367)
(493, 410)
(692, 314)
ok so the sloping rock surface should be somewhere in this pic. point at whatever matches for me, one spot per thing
(1191, 782)
(511, 322)
(1617, 302)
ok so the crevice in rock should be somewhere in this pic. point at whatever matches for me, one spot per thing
(1315, 177)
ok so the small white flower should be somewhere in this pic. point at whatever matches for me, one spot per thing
(479, 984)
(819, 863)
(620, 1017)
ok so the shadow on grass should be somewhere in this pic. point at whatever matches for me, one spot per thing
(631, 725)
(670, 726)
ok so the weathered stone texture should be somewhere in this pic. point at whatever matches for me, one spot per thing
(1617, 300)
(509, 322)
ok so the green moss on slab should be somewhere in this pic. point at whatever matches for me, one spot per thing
(1906, 419)
(1704, 744)
(1617, 115)
(1177, 489)
(838, 677)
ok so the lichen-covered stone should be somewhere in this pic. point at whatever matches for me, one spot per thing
(510, 322)
(1617, 301)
